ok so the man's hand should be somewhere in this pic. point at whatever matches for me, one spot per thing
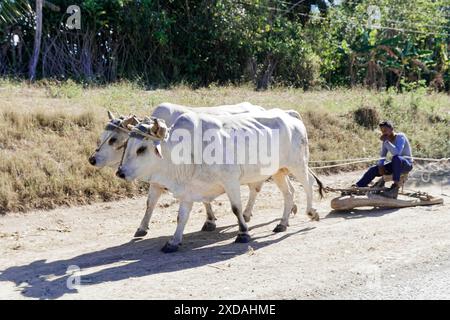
(392, 138)
(381, 170)
(385, 137)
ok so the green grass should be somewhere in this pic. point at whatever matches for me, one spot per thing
(48, 130)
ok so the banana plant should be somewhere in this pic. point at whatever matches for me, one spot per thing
(395, 54)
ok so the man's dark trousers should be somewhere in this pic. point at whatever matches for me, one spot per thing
(396, 167)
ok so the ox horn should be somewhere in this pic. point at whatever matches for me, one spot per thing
(158, 151)
(110, 115)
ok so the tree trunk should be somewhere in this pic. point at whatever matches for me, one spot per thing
(263, 82)
(86, 55)
(37, 41)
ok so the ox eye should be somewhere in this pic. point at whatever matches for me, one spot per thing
(112, 140)
(141, 150)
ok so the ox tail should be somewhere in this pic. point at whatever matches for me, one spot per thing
(321, 188)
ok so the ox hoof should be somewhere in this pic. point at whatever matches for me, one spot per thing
(247, 217)
(313, 215)
(243, 238)
(209, 226)
(169, 248)
(280, 228)
(140, 233)
(294, 209)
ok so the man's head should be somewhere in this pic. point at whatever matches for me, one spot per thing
(387, 128)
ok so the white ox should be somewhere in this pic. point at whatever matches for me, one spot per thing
(110, 150)
(150, 153)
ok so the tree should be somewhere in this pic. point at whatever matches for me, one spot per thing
(37, 41)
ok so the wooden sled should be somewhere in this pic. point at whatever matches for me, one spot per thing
(370, 197)
(351, 202)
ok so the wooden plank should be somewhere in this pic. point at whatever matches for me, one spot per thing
(351, 202)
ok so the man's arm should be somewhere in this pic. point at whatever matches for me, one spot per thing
(396, 148)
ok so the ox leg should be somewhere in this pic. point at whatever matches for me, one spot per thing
(286, 188)
(307, 180)
(210, 223)
(254, 189)
(183, 216)
(291, 187)
(154, 193)
(234, 194)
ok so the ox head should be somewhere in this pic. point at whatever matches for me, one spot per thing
(143, 153)
(112, 141)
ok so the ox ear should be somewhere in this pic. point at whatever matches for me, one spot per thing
(110, 115)
(158, 150)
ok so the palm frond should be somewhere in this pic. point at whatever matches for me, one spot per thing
(12, 10)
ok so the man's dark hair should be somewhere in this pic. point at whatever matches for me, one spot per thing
(386, 124)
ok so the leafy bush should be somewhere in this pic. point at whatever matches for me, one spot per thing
(367, 117)
(200, 42)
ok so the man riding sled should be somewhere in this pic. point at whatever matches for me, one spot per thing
(398, 145)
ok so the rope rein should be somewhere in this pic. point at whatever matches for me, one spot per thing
(362, 160)
(123, 153)
(109, 137)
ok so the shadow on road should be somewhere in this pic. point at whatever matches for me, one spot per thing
(360, 213)
(48, 280)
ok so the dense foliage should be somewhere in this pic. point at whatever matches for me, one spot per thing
(402, 44)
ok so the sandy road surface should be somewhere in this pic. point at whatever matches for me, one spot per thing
(365, 254)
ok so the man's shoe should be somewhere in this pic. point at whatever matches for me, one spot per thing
(392, 192)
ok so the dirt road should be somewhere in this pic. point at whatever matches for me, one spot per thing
(364, 254)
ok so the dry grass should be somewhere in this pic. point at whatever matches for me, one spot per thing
(43, 161)
(48, 130)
